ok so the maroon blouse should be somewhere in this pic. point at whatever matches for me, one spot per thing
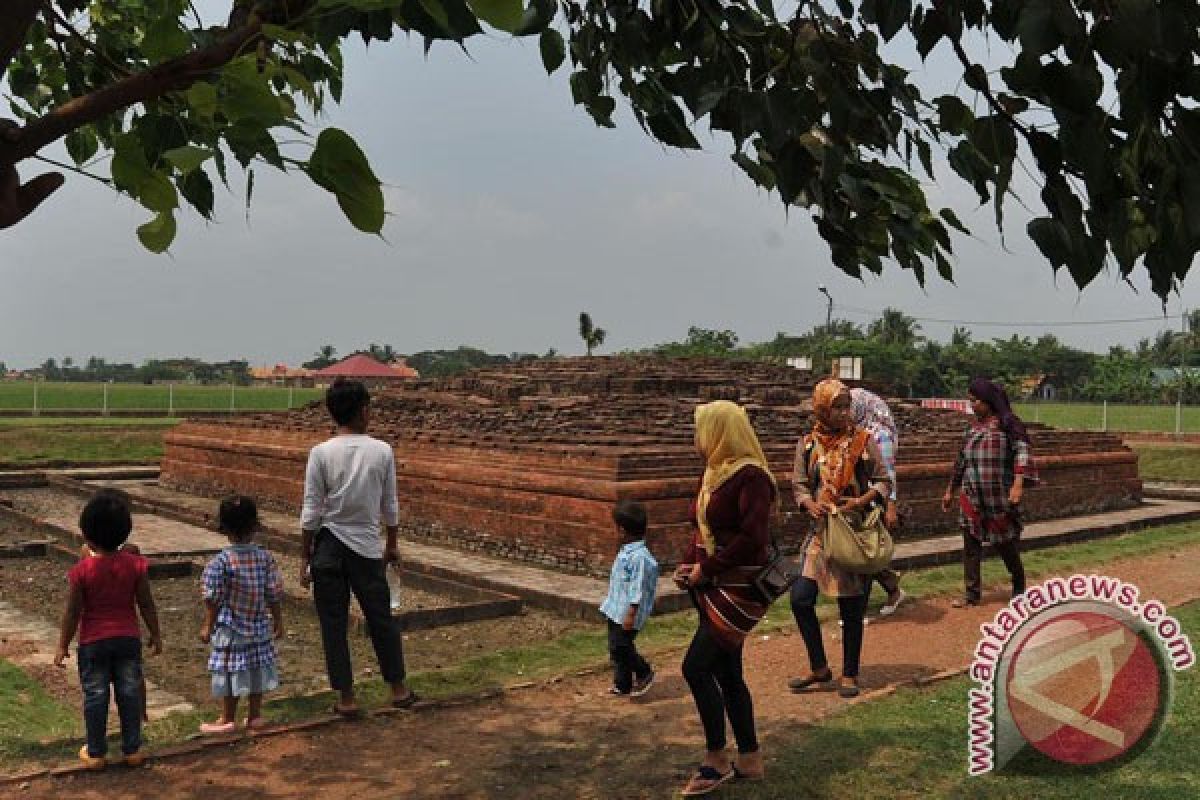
(739, 512)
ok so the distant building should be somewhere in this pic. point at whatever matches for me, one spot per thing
(1038, 387)
(361, 367)
(1169, 376)
(281, 375)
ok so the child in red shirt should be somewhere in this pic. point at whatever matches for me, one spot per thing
(104, 592)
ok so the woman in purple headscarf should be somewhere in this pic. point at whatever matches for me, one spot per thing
(989, 476)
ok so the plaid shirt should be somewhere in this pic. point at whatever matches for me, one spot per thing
(243, 580)
(986, 467)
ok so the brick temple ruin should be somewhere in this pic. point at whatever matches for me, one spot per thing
(526, 461)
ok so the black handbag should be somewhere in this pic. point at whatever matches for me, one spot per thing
(777, 577)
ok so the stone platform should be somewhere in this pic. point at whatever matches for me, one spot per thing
(526, 462)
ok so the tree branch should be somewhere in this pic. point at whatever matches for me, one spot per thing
(173, 75)
(15, 19)
(997, 109)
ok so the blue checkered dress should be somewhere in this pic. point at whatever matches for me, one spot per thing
(243, 581)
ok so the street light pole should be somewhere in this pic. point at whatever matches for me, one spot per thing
(828, 316)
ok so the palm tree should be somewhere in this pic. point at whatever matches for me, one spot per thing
(592, 336)
(895, 327)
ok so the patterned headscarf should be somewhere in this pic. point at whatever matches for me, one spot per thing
(872, 413)
(841, 448)
(728, 442)
(997, 399)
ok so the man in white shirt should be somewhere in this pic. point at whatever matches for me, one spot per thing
(349, 488)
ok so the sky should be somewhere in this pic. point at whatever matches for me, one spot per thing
(510, 212)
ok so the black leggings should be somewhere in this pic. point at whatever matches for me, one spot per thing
(804, 600)
(715, 678)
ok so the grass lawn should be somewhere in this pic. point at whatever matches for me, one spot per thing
(671, 632)
(1090, 416)
(914, 745)
(26, 444)
(88, 422)
(1168, 462)
(28, 714)
(141, 397)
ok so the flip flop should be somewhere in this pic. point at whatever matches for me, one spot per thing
(218, 728)
(707, 780)
(407, 701)
(257, 724)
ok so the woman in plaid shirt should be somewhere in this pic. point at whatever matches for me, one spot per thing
(989, 476)
(243, 592)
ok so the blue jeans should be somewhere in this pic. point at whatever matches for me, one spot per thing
(116, 661)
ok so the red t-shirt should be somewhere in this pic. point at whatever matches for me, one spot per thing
(109, 587)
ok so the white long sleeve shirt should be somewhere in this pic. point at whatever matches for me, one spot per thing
(349, 487)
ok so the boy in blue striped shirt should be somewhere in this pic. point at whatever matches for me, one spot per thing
(632, 584)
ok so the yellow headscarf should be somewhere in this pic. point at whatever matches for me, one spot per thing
(728, 442)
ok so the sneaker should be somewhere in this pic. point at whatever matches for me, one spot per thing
(135, 759)
(615, 692)
(888, 609)
(642, 685)
(90, 761)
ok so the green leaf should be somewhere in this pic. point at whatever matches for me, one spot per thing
(157, 193)
(339, 166)
(197, 189)
(248, 94)
(760, 174)
(187, 158)
(1051, 238)
(953, 115)
(976, 78)
(202, 97)
(953, 221)
(157, 234)
(943, 267)
(669, 127)
(507, 15)
(82, 145)
(165, 39)
(278, 33)
(1037, 29)
(554, 49)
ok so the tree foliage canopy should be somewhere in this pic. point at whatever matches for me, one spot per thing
(1098, 103)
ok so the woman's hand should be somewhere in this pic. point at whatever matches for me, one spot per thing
(205, 633)
(814, 509)
(1014, 495)
(852, 504)
(891, 517)
(681, 575)
(947, 500)
(696, 577)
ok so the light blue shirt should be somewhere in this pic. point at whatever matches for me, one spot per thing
(634, 579)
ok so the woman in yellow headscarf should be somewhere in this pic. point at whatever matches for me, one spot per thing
(730, 545)
(838, 466)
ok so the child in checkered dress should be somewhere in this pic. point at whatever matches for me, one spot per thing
(243, 592)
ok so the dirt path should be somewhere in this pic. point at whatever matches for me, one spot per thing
(567, 740)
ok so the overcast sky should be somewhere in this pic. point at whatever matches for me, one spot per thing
(510, 213)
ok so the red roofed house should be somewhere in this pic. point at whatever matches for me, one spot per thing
(361, 367)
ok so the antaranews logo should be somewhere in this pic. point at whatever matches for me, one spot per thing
(1077, 668)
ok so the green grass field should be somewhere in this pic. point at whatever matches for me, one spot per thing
(1090, 416)
(40, 444)
(19, 396)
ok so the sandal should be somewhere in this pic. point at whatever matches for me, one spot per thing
(257, 724)
(346, 713)
(218, 728)
(408, 701)
(848, 687)
(964, 602)
(706, 780)
(801, 684)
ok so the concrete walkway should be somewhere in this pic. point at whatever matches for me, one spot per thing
(30, 641)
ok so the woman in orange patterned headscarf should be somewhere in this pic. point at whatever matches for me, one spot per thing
(838, 466)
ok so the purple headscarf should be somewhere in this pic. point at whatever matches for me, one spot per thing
(995, 396)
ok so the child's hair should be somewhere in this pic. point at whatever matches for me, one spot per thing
(238, 516)
(630, 515)
(345, 399)
(106, 520)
